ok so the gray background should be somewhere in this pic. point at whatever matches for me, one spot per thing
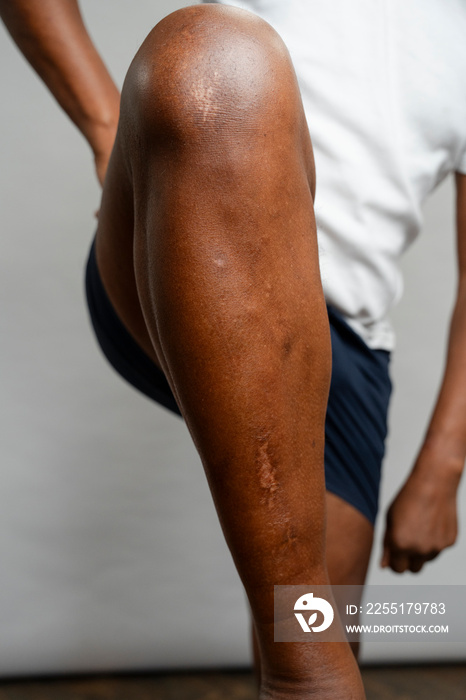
(111, 554)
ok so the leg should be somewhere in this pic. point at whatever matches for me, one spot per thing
(348, 545)
(349, 538)
(227, 272)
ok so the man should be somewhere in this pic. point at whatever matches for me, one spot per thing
(225, 269)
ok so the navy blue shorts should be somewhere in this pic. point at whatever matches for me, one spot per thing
(356, 421)
(356, 424)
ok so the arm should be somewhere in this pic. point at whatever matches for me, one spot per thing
(422, 519)
(52, 36)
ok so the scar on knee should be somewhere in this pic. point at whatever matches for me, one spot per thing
(204, 96)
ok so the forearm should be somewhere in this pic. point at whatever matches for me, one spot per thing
(52, 36)
(444, 446)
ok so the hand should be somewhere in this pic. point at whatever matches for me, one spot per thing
(421, 521)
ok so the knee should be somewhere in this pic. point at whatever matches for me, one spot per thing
(210, 67)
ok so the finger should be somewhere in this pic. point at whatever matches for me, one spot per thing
(399, 562)
(416, 563)
(418, 560)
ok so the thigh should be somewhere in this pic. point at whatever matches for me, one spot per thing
(349, 541)
(349, 538)
(114, 247)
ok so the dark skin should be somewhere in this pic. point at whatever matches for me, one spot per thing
(212, 280)
(422, 519)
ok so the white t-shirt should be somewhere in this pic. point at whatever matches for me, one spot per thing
(383, 84)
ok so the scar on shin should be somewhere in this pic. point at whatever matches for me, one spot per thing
(267, 471)
(290, 536)
(287, 345)
(289, 339)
